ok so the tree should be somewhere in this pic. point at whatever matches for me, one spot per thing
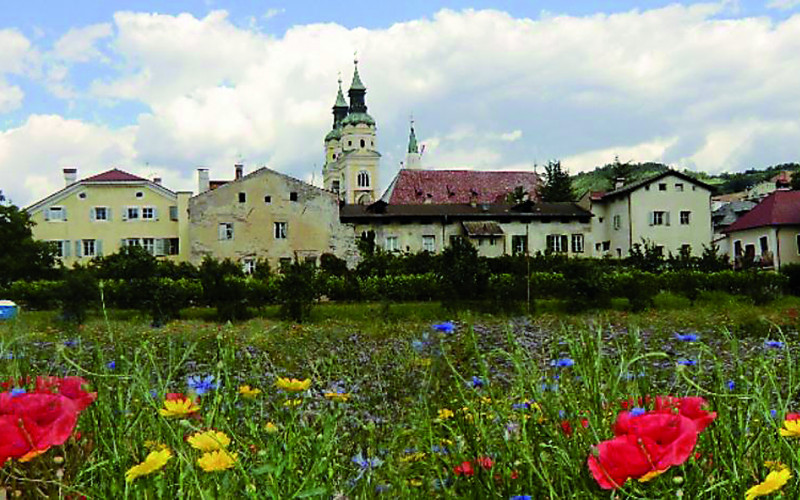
(22, 257)
(795, 180)
(558, 184)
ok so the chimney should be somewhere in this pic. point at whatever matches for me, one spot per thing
(202, 180)
(157, 180)
(239, 171)
(619, 182)
(70, 175)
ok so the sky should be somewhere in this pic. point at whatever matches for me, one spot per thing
(161, 88)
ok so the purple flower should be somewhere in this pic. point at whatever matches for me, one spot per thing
(446, 327)
(201, 385)
(111, 365)
(17, 391)
(477, 382)
(687, 362)
(520, 497)
(522, 406)
(367, 463)
(688, 337)
(731, 385)
(774, 344)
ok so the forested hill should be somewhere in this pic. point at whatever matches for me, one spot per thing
(602, 178)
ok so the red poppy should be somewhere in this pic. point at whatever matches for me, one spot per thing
(792, 416)
(566, 428)
(691, 407)
(465, 469)
(484, 462)
(618, 459)
(585, 423)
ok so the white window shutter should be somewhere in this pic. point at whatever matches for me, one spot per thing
(652, 218)
(108, 213)
(67, 248)
(98, 248)
(78, 248)
(666, 218)
(47, 214)
(91, 213)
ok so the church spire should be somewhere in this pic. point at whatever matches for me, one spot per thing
(413, 158)
(357, 92)
(412, 139)
(340, 107)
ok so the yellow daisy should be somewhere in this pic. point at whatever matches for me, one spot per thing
(247, 392)
(217, 460)
(209, 440)
(293, 385)
(339, 397)
(445, 413)
(791, 428)
(271, 428)
(774, 481)
(154, 461)
(178, 407)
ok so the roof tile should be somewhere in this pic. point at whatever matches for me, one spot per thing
(413, 187)
(114, 175)
(779, 208)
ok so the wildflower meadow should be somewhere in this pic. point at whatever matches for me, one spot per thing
(405, 401)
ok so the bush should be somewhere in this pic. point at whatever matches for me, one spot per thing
(465, 276)
(686, 283)
(35, 295)
(79, 290)
(639, 287)
(297, 290)
(225, 287)
(585, 286)
(792, 273)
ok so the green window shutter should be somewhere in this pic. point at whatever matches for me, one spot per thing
(155, 213)
(46, 214)
(78, 248)
(98, 247)
(666, 218)
(173, 212)
(159, 243)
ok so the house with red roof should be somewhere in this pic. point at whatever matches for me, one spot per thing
(99, 214)
(769, 234)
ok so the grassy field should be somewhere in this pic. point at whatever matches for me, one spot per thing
(396, 407)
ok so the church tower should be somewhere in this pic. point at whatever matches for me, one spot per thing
(331, 176)
(413, 157)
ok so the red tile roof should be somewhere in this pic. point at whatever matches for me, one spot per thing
(412, 187)
(778, 209)
(114, 175)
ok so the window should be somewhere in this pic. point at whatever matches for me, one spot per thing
(686, 249)
(519, 244)
(619, 253)
(139, 194)
(737, 246)
(429, 243)
(659, 218)
(293, 196)
(363, 179)
(764, 244)
(679, 187)
(662, 186)
(267, 199)
(363, 143)
(685, 217)
(171, 246)
(100, 213)
(660, 250)
(132, 213)
(62, 248)
(132, 242)
(89, 248)
(647, 187)
(56, 213)
(148, 213)
(454, 238)
(149, 244)
(310, 261)
(284, 262)
(606, 246)
(242, 197)
(391, 244)
(173, 213)
(82, 196)
(225, 230)
(557, 243)
(617, 221)
(335, 187)
(248, 266)
(577, 243)
(349, 144)
(280, 230)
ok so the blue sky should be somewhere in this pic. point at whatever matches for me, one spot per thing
(159, 88)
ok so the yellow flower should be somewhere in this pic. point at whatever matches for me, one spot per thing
(415, 483)
(217, 460)
(247, 392)
(413, 457)
(445, 413)
(423, 362)
(178, 407)
(774, 481)
(154, 445)
(292, 403)
(775, 465)
(486, 400)
(154, 461)
(271, 428)
(791, 428)
(293, 385)
(209, 440)
(340, 397)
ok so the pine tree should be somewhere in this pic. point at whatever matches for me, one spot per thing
(558, 184)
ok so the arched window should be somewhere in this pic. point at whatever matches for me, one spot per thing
(363, 143)
(363, 179)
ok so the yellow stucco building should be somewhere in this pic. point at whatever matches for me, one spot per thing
(98, 215)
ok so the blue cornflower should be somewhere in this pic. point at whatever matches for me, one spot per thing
(520, 497)
(562, 362)
(561, 413)
(446, 327)
(367, 463)
(409, 451)
(439, 449)
(153, 393)
(10, 355)
(477, 382)
(17, 391)
(382, 488)
(111, 365)
(773, 413)
(687, 362)
(70, 343)
(201, 385)
(774, 344)
(731, 385)
(635, 412)
(688, 337)
(521, 406)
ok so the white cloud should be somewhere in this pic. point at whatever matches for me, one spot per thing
(674, 84)
(16, 57)
(79, 44)
(783, 4)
